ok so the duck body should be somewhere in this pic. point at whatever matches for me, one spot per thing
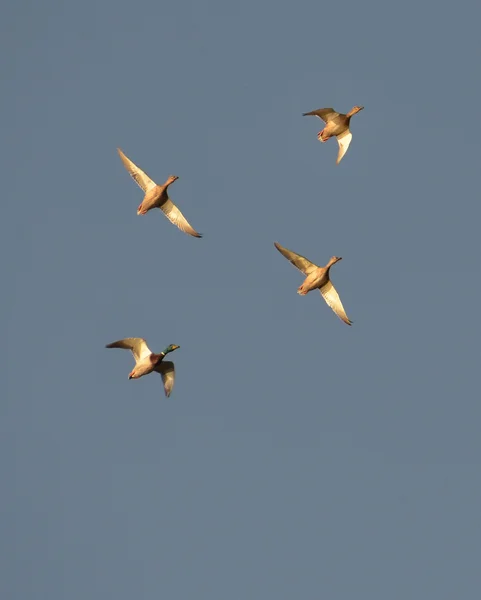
(314, 281)
(337, 125)
(146, 365)
(156, 196)
(334, 128)
(147, 361)
(317, 278)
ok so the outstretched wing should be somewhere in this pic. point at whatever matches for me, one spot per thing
(177, 218)
(344, 139)
(138, 347)
(140, 178)
(167, 372)
(326, 114)
(331, 296)
(297, 260)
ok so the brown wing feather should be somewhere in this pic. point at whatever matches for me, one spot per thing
(301, 262)
(166, 370)
(332, 299)
(138, 347)
(177, 218)
(140, 178)
(326, 114)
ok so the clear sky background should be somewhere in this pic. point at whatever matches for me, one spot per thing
(297, 458)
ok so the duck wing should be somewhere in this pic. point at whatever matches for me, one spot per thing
(343, 139)
(332, 299)
(326, 114)
(301, 262)
(140, 178)
(138, 347)
(166, 370)
(174, 215)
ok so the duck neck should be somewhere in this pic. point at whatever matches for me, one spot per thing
(157, 358)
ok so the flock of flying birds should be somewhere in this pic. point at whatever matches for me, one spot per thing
(156, 196)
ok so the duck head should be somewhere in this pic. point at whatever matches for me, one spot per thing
(170, 348)
(333, 260)
(354, 110)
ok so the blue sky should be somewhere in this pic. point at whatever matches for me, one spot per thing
(297, 457)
